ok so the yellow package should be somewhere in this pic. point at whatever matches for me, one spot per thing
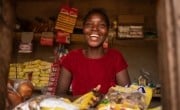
(36, 61)
(35, 77)
(44, 75)
(12, 73)
(44, 82)
(45, 63)
(44, 78)
(12, 69)
(35, 81)
(12, 77)
(37, 73)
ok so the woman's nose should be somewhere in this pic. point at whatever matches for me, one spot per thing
(95, 27)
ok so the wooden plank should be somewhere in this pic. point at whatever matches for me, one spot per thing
(131, 19)
(169, 52)
(6, 33)
(176, 8)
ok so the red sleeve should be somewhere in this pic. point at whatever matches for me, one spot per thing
(121, 63)
(67, 61)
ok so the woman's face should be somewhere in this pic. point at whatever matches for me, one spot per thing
(95, 30)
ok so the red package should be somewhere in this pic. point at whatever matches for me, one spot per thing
(46, 41)
(47, 38)
(51, 89)
(50, 84)
(63, 37)
(53, 78)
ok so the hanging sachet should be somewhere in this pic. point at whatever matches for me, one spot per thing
(47, 38)
(66, 19)
(62, 37)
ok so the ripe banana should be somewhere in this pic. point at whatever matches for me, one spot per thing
(156, 108)
(85, 101)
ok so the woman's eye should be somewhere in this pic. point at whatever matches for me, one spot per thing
(102, 25)
(91, 25)
(88, 25)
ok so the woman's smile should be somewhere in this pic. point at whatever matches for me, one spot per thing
(94, 37)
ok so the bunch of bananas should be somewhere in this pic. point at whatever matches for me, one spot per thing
(86, 101)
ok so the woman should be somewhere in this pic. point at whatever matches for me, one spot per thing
(86, 68)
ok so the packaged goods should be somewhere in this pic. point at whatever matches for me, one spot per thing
(126, 98)
(37, 71)
(118, 98)
(45, 102)
(47, 38)
(66, 19)
(19, 91)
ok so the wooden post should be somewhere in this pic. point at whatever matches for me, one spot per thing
(168, 20)
(6, 34)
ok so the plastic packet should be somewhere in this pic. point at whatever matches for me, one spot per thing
(46, 102)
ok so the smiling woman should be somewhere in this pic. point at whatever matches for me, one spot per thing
(6, 33)
(93, 65)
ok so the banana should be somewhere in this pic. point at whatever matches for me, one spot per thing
(156, 108)
(50, 108)
(85, 101)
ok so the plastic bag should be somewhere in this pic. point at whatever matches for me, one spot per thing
(46, 102)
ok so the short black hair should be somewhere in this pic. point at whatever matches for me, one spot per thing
(100, 11)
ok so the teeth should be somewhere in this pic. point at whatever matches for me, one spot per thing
(94, 38)
(94, 35)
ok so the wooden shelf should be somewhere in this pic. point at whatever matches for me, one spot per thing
(141, 42)
(156, 95)
(144, 38)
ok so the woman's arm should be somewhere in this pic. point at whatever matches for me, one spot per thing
(123, 78)
(64, 83)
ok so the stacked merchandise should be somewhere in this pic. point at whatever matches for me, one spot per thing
(65, 24)
(130, 31)
(60, 53)
(66, 19)
(53, 79)
(14, 68)
(117, 98)
(36, 71)
(130, 26)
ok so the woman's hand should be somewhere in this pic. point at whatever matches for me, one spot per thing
(90, 99)
(97, 88)
(98, 96)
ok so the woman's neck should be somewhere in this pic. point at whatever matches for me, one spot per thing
(94, 52)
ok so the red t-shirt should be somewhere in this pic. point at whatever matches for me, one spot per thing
(87, 73)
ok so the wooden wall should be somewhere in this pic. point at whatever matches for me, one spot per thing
(30, 9)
